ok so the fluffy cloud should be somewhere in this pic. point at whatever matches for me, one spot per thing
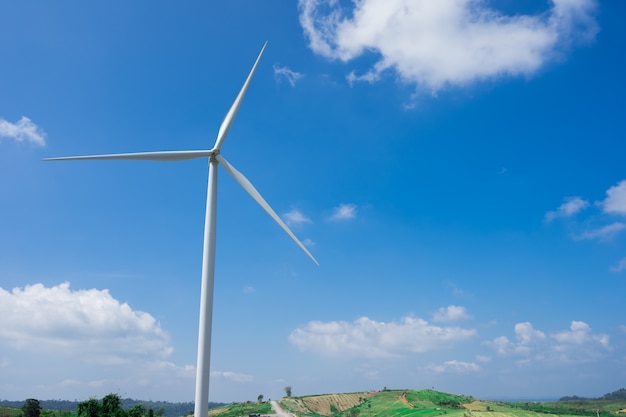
(343, 212)
(454, 366)
(615, 202)
(450, 313)
(373, 339)
(284, 72)
(571, 206)
(295, 217)
(23, 130)
(579, 333)
(87, 324)
(578, 344)
(446, 42)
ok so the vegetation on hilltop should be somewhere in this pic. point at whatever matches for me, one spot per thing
(388, 403)
(423, 403)
(161, 408)
(618, 395)
(430, 403)
(241, 409)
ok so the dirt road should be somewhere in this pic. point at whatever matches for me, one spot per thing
(279, 411)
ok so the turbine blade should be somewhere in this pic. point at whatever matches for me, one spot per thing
(145, 156)
(232, 112)
(247, 185)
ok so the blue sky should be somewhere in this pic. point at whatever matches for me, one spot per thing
(457, 168)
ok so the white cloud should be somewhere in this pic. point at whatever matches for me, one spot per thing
(291, 76)
(483, 358)
(344, 212)
(454, 366)
(603, 233)
(86, 324)
(615, 202)
(295, 217)
(232, 376)
(527, 335)
(571, 206)
(450, 313)
(23, 130)
(579, 334)
(619, 267)
(373, 339)
(442, 43)
(578, 344)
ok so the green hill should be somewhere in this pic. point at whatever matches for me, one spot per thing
(388, 403)
(424, 403)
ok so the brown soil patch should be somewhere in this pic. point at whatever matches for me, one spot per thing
(475, 406)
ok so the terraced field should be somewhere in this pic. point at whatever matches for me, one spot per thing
(322, 405)
(430, 403)
(388, 403)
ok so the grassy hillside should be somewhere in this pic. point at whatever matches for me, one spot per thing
(429, 403)
(241, 409)
(403, 403)
(322, 405)
(17, 412)
(391, 403)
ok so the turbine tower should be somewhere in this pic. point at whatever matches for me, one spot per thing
(208, 255)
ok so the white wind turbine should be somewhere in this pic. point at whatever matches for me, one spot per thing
(208, 255)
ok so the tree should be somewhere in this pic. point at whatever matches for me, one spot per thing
(259, 399)
(137, 411)
(112, 406)
(89, 408)
(31, 408)
(287, 391)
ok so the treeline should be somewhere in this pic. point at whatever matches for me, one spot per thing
(159, 408)
(620, 394)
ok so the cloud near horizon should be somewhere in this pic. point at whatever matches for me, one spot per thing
(232, 376)
(23, 130)
(90, 325)
(578, 344)
(366, 338)
(437, 44)
(454, 367)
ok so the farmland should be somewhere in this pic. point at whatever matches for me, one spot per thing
(322, 405)
(430, 403)
(402, 403)
(241, 409)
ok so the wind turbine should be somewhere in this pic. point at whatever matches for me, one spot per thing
(208, 255)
